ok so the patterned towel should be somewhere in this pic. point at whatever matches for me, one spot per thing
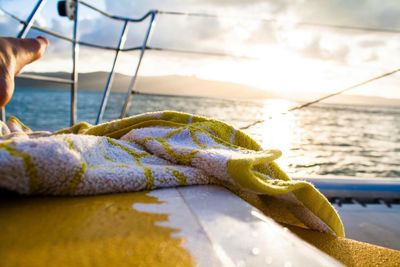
(148, 151)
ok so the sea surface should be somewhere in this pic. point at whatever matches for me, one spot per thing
(325, 139)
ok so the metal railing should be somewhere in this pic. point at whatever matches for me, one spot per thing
(22, 34)
(351, 190)
(73, 82)
(29, 24)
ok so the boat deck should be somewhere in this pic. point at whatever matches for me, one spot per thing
(374, 223)
(197, 225)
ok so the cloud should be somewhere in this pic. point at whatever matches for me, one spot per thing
(102, 31)
(315, 48)
(169, 31)
(235, 35)
(369, 13)
(368, 43)
(8, 26)
(372, 57)
(265, 33)
(273, 6)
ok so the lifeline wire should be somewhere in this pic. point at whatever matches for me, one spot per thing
(327, 96)
(273, 20)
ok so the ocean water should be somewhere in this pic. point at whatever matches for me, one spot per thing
(325, 139)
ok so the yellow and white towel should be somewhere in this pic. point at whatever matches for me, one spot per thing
(149, 151)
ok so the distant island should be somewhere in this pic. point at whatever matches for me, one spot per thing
(192, 86)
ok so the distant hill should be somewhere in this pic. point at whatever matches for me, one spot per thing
(346, 99)
(169, 85)
(192, 86)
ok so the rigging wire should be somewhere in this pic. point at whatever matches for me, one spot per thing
(326, 97)
(208, 53)
(273, 20)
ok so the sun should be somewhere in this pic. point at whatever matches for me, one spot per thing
(276, 69)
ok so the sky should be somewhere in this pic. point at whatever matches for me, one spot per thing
(292, 59)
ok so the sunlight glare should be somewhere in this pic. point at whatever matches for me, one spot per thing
(278, 129)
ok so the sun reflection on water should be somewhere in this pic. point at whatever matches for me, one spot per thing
(278, 130)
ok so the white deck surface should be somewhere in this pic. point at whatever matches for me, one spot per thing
(221, 229)
(375, 223)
